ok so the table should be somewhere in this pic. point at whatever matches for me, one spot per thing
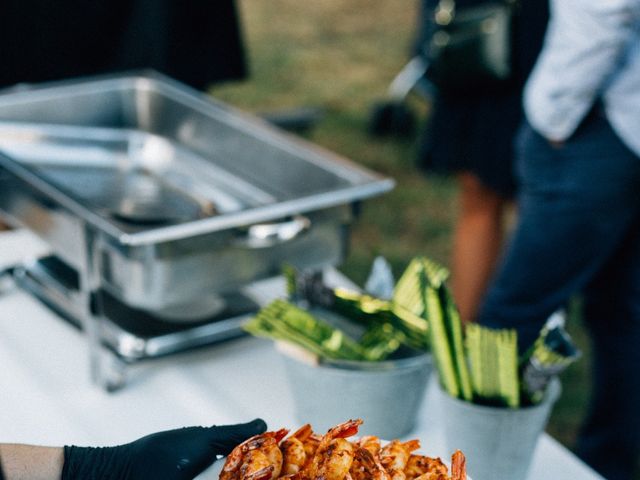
(46, 396)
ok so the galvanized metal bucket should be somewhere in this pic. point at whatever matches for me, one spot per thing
(386, 395)
(498, 442)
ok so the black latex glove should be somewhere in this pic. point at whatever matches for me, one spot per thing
(172, 455)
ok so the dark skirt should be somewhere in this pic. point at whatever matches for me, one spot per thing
(474, 132)
(474, 135)
(195, 41)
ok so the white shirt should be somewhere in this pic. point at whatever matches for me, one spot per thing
(591, 52)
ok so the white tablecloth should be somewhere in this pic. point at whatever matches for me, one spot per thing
(46, 397)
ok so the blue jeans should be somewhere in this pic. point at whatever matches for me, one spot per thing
(579, 231)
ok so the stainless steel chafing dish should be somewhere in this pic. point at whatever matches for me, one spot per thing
(164, 197)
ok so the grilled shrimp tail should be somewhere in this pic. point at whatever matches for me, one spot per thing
(458, 466)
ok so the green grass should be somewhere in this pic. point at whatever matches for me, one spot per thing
(341, 56)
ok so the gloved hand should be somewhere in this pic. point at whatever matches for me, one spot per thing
(172, 455)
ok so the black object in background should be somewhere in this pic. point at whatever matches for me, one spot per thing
(195, 41)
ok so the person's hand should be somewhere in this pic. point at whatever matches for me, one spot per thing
(178, 454)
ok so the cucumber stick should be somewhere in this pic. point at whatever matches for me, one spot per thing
(493, 355)
(454, 331)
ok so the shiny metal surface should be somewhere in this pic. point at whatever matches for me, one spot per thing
(182, 196)
(128, 346)
(180, 138)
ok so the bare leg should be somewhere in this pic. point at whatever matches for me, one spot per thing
(477, 243)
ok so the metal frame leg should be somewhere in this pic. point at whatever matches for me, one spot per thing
(106, 369)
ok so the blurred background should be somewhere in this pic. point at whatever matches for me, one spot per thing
(339, 57)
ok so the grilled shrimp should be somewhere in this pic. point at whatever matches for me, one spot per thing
(366, 466)
(433, 476)
(337, 461)
(311, 445)
(370, 443)
(333, 453)
(265, 473)
(458, 466)
(255, 462)
(395, 455)
(418, 465)
(303, 433)
(293, 456)
(294, 453)
(257, 458)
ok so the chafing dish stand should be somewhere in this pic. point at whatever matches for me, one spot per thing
(162, 207)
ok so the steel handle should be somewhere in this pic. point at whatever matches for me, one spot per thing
(266, 235)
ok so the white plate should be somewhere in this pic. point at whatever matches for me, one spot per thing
(213, 472)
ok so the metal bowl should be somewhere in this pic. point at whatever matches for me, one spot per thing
(387, 395)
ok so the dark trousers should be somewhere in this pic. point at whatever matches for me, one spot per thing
(579, 231)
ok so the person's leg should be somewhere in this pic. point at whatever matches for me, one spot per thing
(477, 243)
(575, 205)
(610, 437)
